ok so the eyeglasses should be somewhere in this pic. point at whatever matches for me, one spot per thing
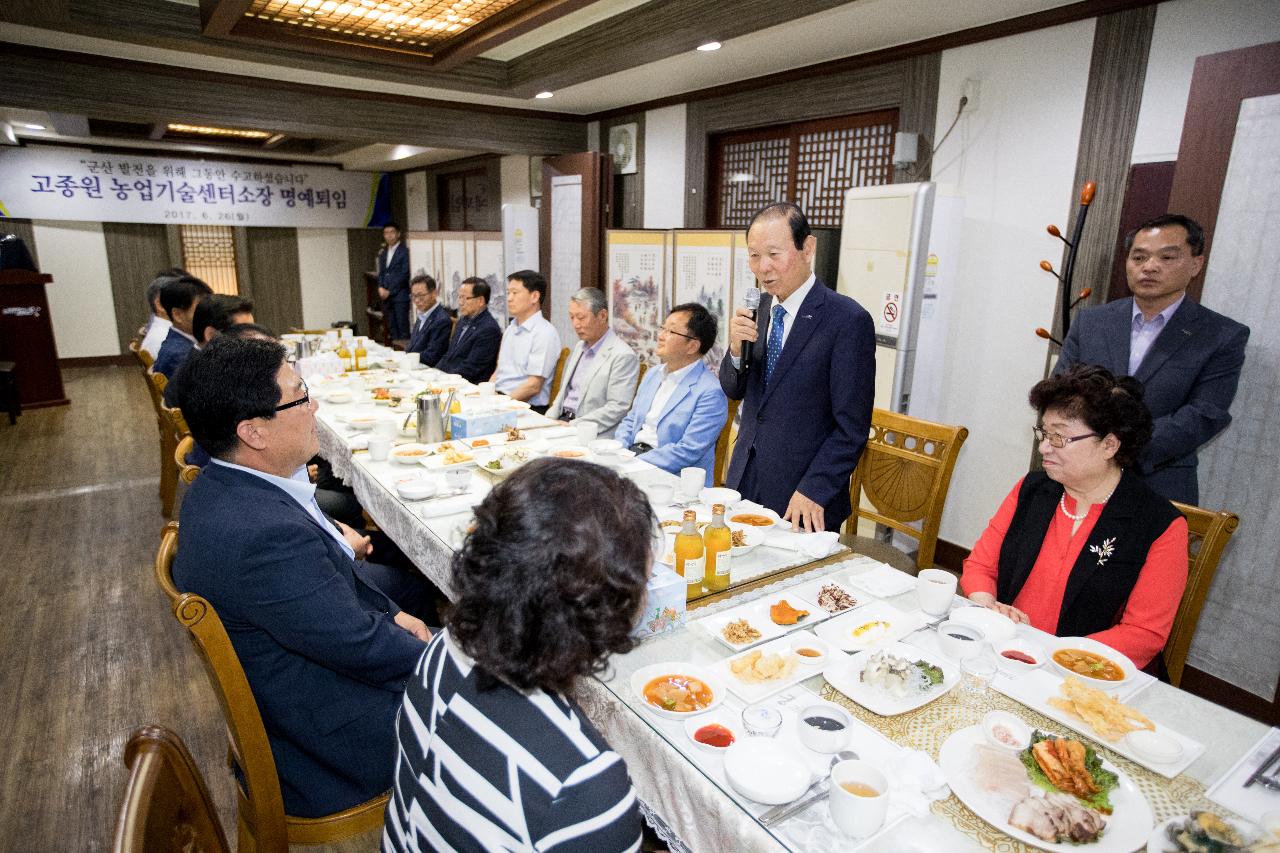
(1059, 441)
(301, 401)
(464, 298)
(665, 330)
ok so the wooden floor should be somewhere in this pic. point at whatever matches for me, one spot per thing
(89, 648)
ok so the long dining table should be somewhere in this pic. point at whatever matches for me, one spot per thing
(683, 790)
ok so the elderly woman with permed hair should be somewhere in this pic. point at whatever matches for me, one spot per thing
(1085, 548)
(493, 752)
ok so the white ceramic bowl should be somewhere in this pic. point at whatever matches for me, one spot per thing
(457, 478)
(728, 497)
(416, 488)
(410, 454)
(362, 422)
(996, 627)
(826, 740)
(766, 771)
(645, 674)
(951, 636)
(1154, 746)
(338, 397)
(716, 717)
(609, 447)
(1088, 645)
(807, 641)
(1011, 725)
(660, 494)
(1029, 648)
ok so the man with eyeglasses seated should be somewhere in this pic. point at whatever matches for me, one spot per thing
(323, 643)
(473, 349)
(680, 408)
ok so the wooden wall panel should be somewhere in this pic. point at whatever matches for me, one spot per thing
(1113, 96)
(628, 190)
(267, 262)
(362, 253)
(135, 253)
(1146, 196)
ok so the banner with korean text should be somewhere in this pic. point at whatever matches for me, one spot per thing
(52, 183)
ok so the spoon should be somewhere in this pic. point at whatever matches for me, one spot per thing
(817, 791)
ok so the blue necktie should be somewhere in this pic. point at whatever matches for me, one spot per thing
(775, 342)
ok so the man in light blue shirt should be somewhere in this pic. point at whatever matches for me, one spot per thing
(530, 344)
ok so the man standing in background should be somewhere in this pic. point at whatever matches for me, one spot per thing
(393, 284)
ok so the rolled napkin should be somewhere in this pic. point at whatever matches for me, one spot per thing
(449, 506)
(815, 545)
(915, 780)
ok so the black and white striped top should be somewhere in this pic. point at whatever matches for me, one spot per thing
(496, 769)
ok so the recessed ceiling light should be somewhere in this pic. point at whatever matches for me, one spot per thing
(709, 46)
(35, 126)
(544, 95)
(205, 130)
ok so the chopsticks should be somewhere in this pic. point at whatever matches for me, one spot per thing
(1260, 775)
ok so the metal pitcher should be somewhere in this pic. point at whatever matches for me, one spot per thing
(433, 416)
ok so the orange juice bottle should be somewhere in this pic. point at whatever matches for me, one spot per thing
(344, 354)
(718, 541)
(361, 355)
(690, 562)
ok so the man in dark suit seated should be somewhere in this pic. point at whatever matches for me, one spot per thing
(213, 315)
(324, 645)
(808, 386)
(179, 298)
(430, 335)
(473, 351)
(1187, 357)
(393, 283)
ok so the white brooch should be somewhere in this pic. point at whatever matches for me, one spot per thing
(1104, 551)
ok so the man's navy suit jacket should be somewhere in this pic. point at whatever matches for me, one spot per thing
(1189, 378)
(807, 429)
(326, 663)
(432, 340)
(395, 277)
(473, 351)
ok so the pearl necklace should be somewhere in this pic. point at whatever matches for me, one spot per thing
(1062, 505)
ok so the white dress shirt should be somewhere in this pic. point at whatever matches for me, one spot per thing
(301, 489)
(1144, 332)
(648, 433)
(791, 305)
(422, 318)
(528, 349)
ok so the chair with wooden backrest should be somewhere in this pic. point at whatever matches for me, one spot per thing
(144, 358)
(263, 827)
(640, 378)
(186, 471)
(559, 373)
(164, 560)
(167, 807)
(905, 472)
(168, 442)
(1207, 534)
(724, 445)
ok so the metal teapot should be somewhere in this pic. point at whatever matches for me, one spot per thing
(433, 418)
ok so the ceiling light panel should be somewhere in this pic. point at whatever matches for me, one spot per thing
(421, 25)
(225, 132)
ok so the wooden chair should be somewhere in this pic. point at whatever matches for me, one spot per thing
(144, 358)
(167, 807)
(187, 472)
(263, 827)
(640, 378)
(164, 561)
(168, 443)
(905, 472)
(1207, 534)
(559, 373)
(724, 445)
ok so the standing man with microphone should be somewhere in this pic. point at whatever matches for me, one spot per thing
(805, 371)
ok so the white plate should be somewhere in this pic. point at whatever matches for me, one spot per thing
(507, 460)
(1088, 645)
(882, 581)
(1127, 827)
(362, 422)
(645, 674)
(1158, 841)
(846, 676)
(997, 627)
(576, 452)
(764, 771)
(752, 693)
(753, 536)
(437, 462)
(754, 612)
(1035, 688)
(839, 631)
(417, 488)
(399, 454)
(811, 589)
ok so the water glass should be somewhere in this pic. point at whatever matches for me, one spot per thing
(976, 674)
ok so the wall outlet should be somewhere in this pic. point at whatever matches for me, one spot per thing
(969, 89)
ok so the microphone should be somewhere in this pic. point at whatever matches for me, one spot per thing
(750, 301)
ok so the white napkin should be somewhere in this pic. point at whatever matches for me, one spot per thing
(553, 432)
(815, 545)
(915, 780)
(883, 581)
(449, 506)
(1254, 801)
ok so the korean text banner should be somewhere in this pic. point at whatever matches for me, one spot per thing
(46, 183)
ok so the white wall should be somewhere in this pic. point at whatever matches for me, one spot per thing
(83, 312)
(1013, 159)
(513, 176)
(322, 269)
(664, 149)
(1184, 30)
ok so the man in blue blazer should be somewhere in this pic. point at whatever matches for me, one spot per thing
(679, 410)
(179, 298)
(473, 350)
(393, 283)
(430, 335)
(808, 384)
(1187, 357)
(325, 650)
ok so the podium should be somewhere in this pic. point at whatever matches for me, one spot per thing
(26, 338)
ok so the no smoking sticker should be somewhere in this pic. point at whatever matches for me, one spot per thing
(888, 321)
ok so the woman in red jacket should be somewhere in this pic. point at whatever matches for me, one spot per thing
(1085, 548)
